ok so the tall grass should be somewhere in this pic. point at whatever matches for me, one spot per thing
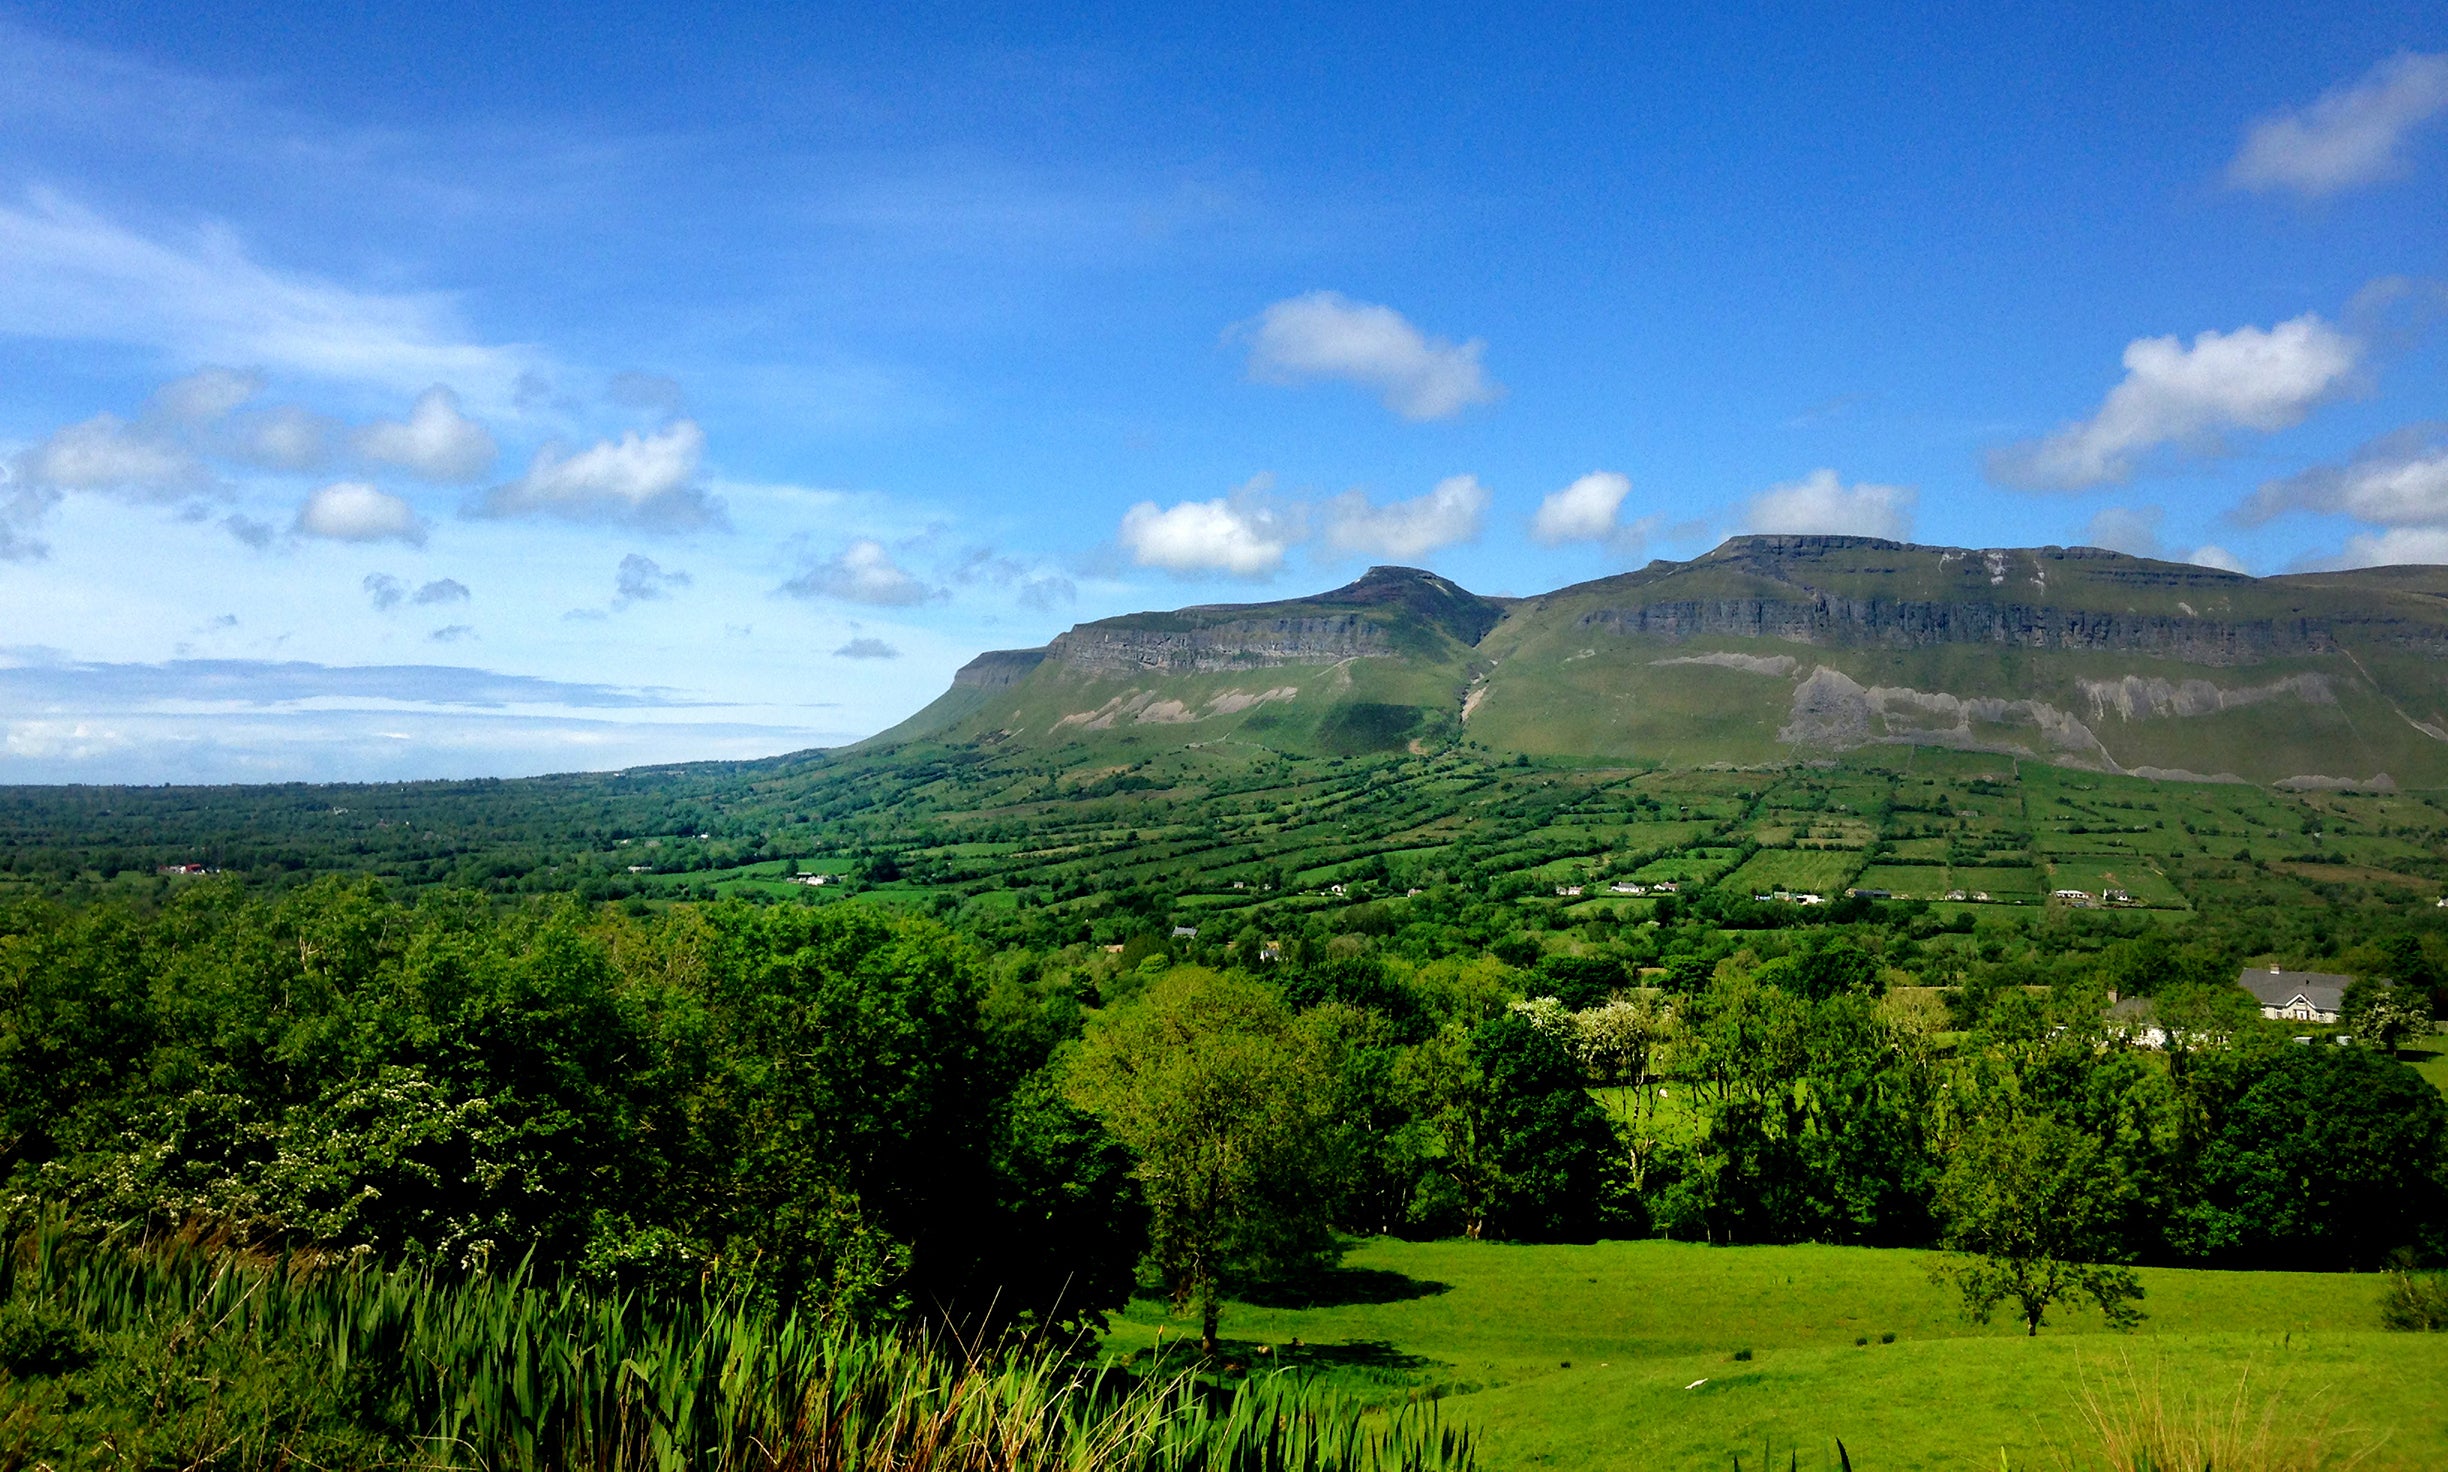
(2138, 1423)
(206, 1357)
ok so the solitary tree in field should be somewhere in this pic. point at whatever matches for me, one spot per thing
(1226, 1101)
(2030, 1207)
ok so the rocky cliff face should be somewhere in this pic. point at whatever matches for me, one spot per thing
(1238, 644)
(1827, 619)
(1389, 611)
(998, 669)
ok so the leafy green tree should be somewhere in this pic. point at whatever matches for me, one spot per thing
(1227, 1104)
(2311, 1157)
(2385, 1014)
(1548, 1150)
(2031, 1207)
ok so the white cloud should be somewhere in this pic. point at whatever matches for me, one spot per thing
(863, 572)
(206, 396)
(2400, 479)
(284, 438)
(352, 511)
(2133, 530)
(22, 509)
(107, 454)
(67, 274)
(645, 480)
(2171, 394)
(2352, 135)
(866, 649)
(2396, 546)
(436, 442)
(1327, 335)
(1821, 502)
(2214, 555)
(443, 590)
(1407, 530)
(1243, 534)
(1584, 511)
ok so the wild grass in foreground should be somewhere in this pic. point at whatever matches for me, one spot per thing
(2135, 1420)
(173, 1356)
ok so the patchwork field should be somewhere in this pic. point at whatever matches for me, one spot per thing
(1622, 1355)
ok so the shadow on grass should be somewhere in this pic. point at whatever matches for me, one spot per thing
(1341, 1288)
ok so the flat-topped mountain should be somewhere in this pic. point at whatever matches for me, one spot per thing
(1777, 648)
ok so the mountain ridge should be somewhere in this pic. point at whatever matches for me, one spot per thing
(1774, 647)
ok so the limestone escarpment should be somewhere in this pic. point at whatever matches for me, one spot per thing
(998, 669)
(1836, 620)
(1238, 644)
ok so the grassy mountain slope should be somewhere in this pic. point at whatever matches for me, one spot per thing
(1772, 649)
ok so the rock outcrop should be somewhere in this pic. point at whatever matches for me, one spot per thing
(998, 669)
(1836, 621)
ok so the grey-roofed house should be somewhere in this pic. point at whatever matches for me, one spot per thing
(2296, 996)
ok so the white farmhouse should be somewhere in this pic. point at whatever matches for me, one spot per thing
(2296, 996)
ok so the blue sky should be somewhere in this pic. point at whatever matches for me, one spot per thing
(428, 390)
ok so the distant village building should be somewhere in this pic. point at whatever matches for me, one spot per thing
(1271, 951)
(811, 879)
(2296, 996)
(1626, 886)
(1185, 932)
(1869, 894)
(2137, 1021)
(2115, 897)
(2075, 899)
(1569, 891)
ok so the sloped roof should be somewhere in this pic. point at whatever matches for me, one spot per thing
(2277, 988)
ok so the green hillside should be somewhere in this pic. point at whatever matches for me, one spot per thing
(1772, 649)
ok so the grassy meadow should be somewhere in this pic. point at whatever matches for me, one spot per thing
(1621, 1355)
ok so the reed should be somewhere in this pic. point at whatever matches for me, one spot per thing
(370, 1366)
(2139, 1423)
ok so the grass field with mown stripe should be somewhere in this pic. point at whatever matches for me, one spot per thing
(1579, 1356)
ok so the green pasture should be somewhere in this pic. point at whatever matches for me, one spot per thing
(1819, 871)
(1621, 1355)
(2091, 875)
(1698, 866)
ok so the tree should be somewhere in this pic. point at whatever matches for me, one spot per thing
(2030, 1205)
(1548, 1148)
(2331, 1156)
(1226, 1103)
(2382, 1014)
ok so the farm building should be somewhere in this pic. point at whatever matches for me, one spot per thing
(2298, 996)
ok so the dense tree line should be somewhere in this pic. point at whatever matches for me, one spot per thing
(825, 1105)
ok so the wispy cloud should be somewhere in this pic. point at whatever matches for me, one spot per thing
(33, 681)
(2351, 136)
(68, 273)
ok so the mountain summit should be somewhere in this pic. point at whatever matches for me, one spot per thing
(1771, 649)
